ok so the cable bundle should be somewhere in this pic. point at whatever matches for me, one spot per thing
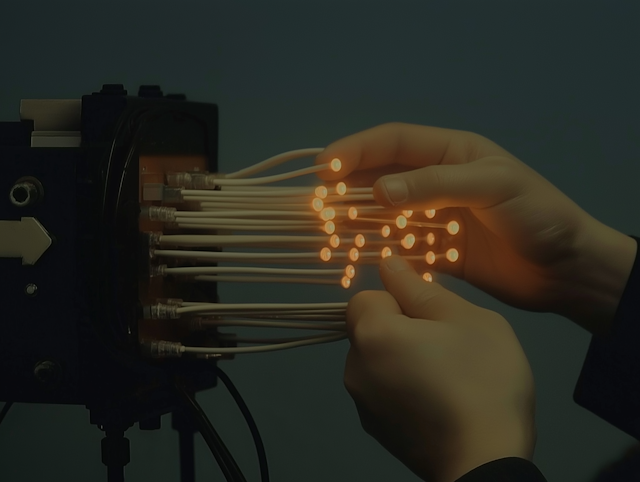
(265, 232)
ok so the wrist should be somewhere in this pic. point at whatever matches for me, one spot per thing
(597, 277)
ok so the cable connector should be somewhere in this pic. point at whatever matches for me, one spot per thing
(161, 312)
(154, 238)
(179, 179)
(161, 348)
(204, 181)
(158, 213)
(158, 270)
(170, 301)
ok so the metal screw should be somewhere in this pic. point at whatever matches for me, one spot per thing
(31, 289)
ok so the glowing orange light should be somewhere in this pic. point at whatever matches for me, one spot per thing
(327, 213)
(350, 271)
(321, 192)
(317, 204)
(431, 239)
(430, 257)
(341, 188)
(430, 213)
(386, 252)
(329, 227)
(345, 282)
(353, 213)
(453, 227)
(427, 277)
(336, 165)
(452, 255)
(325, 254)
(334, 241)
(407, 213)
(408, 241)
(354, 254)
(386, 231)
(401, 222)
(359, 240)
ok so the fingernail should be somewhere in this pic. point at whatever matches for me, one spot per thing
(396, 263)
(397, 191)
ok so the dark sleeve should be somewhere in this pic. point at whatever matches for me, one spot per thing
(510, 469)
(609, 384)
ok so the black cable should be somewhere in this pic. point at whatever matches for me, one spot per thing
(257, 440)
(4, 411)
(230, 469)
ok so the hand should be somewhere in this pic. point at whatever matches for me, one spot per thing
(442, 384)
(527, 243)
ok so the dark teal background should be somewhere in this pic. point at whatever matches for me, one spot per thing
(554, 82)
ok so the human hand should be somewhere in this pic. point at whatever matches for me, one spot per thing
(527, 243)
(441, 383)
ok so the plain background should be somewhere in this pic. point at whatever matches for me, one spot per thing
(554, 82)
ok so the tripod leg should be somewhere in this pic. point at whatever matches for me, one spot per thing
(115, 454)
(186, 431)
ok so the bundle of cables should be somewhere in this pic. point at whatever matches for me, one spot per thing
(259, 230)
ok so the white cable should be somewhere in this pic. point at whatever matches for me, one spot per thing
(230, 256)
(200, 270)
(267, 279)
(231, 227)
(222, 240)
(241, 213)
(243, 339)
(264, 348)
(275, 161)
(260, 307)
(273, 192)
(327, 326)
(275, 178)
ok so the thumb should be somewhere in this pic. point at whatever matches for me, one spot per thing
(479, 184)
(418, 298)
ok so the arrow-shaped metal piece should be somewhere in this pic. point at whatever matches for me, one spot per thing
(26, 239)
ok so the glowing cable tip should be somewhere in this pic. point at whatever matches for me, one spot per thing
(354, 254)
(401, 222)
(336, 165)
(329, 227)
(407, 213)
(431, 239)
(453, 227)
(408, 241)
(353, 213)
(346, 282)
(452, 255)
(386, 231)
(430, 257)
(386, 252)
(341, 188)
(327, 213)
(321, 192)
(430, 213)
(360, 240)
(350, 271)
(317, 204)
(325, 254)
(427, 277)
(334, 241)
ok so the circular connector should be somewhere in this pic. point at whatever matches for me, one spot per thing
(25, 192)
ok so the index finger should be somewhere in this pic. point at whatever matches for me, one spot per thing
(408, 145)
